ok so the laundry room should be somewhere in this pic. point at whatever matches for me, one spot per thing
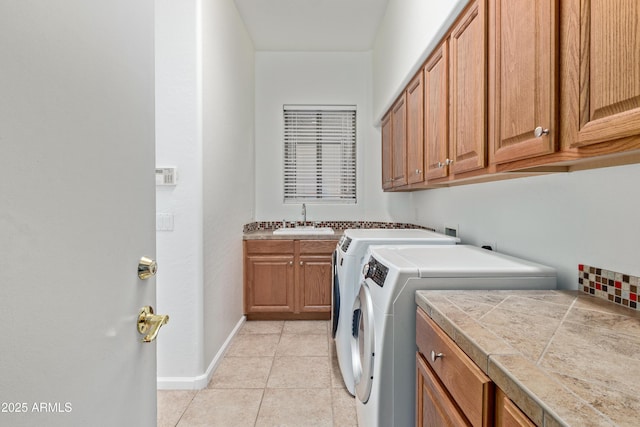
(476, 128)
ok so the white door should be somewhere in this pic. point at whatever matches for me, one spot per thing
(77, 209)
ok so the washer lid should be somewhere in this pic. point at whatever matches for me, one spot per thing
(464, 261)
(397, 235)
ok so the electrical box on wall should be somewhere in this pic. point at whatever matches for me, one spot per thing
(166, 176)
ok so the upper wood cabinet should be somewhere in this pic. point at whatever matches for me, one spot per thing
(603, 59)
(394, 145)
(436, 112)
(524, 42)
(415, 130)
(399, 142)
(468, 90)
(521, 87)
(387, 137)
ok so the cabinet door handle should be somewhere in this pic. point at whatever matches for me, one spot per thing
(435, 355)
(539, 131)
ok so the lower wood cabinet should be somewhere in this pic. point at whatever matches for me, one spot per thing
(453, 391)
(287, 279)
(508, 414)
(435, 406)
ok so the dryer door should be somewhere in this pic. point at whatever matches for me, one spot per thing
(363, 343)
(335, 295)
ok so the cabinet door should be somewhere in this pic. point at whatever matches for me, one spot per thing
(468, 90)
(270, 280)
(314, 283)
(434, 406)
(387, 161)
(608, 69)
(508, 414)
(399, 142)
(415, 135)
(436, 112)
(525, 78)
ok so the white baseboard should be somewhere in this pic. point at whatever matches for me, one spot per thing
(201, 381)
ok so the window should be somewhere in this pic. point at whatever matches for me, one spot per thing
(319, 154)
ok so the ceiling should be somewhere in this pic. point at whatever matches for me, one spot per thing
(312, 25)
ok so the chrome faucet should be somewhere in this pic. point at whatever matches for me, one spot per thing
(304, 214)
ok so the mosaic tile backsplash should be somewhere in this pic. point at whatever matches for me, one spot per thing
(616, 287)
(338, 225)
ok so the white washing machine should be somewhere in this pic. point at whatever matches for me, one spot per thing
(347, 266)
(383, 342)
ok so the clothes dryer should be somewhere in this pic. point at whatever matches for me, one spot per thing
(347, 266)
(383, 339)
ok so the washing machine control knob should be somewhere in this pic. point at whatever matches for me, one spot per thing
(369, 269)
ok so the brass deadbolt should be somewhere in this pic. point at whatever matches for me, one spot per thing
(147, 268)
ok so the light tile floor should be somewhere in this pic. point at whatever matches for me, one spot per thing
(275, 373)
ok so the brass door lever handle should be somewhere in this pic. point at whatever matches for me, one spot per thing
(150, 324)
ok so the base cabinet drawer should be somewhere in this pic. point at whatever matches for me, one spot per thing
(434, 404)
(469, 387)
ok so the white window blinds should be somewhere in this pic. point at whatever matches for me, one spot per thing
(320, 154)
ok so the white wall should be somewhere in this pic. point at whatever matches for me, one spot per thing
(179, 143)
(409, 30)
(316, 78)
(204, 127)
(228, 97)
(588, 217)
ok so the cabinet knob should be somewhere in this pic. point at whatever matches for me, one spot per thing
(539, 131)
(418, 171)
(448, 162)
(290, 262)
(440, 165)
(435, 355)
(301, 263)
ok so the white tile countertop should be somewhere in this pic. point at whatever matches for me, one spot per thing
(564, 357)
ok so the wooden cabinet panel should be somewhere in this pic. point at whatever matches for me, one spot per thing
(288, 279)
(269, 246)
(436, 112)
(399, 142)
(608, 64)
(323, 247)
(387, 153)
(525, 72)
(508, 414)
(314, 274)
(471, 389)
(269, 283)
(468, 90)
(415, 134)
(434, 406)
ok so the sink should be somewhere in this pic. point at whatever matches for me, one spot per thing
(308, 230)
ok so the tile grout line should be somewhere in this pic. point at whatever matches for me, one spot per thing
(264, 390)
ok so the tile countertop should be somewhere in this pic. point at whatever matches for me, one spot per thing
(564, 357)
(268, 235)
